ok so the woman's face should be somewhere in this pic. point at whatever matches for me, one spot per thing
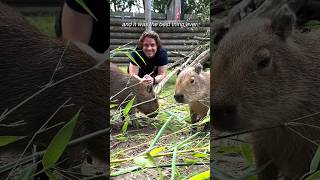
(149, 47)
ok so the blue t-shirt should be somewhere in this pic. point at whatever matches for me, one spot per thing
(160, 59)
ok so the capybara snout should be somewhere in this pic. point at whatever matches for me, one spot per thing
(124, 88)
(225, 117)
(266, 78)
(179, 97)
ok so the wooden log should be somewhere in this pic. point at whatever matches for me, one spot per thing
(122, 22)
(133, 35)
(32, 2)
(170, 54)
(136, 15)
(168, 47)
(160, 29)
(126, 60)
(163, 41)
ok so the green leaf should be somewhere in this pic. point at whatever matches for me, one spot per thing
(122, 138)
(28, 172)
(51, 175)
(246, 152)
(125, 126)
(82, 4)
(112, 105)
(156, 151)
(314, 176)
(190, 161)
(200, 155)
(251, 172)
(128, 107)
(5, 140)
(220, 174)
(173, 163)
(140, 56)
(142, 162)
(201, 176)
(124, 171)
(315, 161)
(131, 58)
(186, 140)
(155, 140)
(228, 149)
(59, 143)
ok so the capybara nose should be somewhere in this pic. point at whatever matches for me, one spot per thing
(179, 98)
(224, 116)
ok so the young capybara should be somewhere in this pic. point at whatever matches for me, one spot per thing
(29, 61)
(144, 94)
(192, 88)
(266, 76)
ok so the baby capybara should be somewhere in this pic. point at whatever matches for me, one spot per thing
(144, 95)
(28, 63)
(192, 88)
(266, 75)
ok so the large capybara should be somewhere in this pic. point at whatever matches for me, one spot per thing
(266, 75)
(145, 98)
(192, 88)
(29, 61)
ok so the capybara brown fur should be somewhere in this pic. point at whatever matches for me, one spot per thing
(28, 69)
(266, 76)
(144, 95)
(192, 88)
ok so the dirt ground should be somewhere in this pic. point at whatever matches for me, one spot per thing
(138, 141)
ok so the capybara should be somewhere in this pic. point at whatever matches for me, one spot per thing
(29, 61)
(144, 95)
(266, 76)
(192, 88)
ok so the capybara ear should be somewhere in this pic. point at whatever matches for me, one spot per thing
(178, 71)
(283, 21)
(197, 68)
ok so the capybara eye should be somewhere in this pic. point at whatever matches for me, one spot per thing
(263, 58)
(192, 80)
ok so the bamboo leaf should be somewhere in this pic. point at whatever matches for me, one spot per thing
(5, 140)
(156, 151)
(128, 107)
(190, 161)
(28, 172)
(200, 155)
(139, 56)
(155, 140)
(246, 152)
(201, 176)
(131, 58)
(314, 165)
(314, 176)
(124, 171)
(59, 143)
(83, 5)
(51, 175)
(125, 125)
(142, 162)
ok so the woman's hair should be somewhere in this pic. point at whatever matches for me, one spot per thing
(149, 34)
